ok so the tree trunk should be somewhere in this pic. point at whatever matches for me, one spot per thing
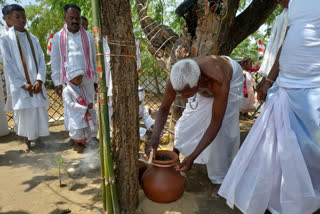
(125, 137)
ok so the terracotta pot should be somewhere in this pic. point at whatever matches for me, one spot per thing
(142, 168)
(163, 184)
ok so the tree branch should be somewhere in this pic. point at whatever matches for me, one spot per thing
(160, 37)
(250, 20)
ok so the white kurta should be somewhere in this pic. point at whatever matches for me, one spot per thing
(75, 59)
(74, 116)
(193, 123)
(277, 166)
(22, 103)
(275, 41)
(3, 118)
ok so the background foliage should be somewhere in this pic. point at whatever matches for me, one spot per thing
(47, 16)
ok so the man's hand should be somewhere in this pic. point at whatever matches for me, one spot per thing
(151, 144)
(186, 164)
(58, 90)
(262, 90)
(90, 106)
(37, 87)
(27, 87)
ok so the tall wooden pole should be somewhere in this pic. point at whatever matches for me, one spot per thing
(110, 203)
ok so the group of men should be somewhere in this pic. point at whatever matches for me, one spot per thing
(74, 74)
(73, 56)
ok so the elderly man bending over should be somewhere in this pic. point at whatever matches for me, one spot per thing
(208, 131)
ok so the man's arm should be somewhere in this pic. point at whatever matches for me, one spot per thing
(161, 119)
(17, 79)
(218, 110)
(42, 68)
(56, 64)
(266, 83)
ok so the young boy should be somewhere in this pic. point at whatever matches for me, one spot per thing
(79, 113)
(24, 65)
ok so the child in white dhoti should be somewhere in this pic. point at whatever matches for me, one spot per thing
(79, 113)
(25, 68)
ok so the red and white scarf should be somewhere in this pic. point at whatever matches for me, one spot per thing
(64, 52)
(81, 99)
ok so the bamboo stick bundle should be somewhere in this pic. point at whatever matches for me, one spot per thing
(109, 190)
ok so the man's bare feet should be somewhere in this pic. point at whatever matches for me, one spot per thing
(79, 147)
(27, 145)
(215, 190)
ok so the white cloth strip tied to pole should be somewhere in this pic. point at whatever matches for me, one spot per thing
(138, 55)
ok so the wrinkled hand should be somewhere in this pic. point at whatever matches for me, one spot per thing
(151, 144)
(58, 90)
(37, 87)
(27, 87)
(186, 164)
(262, 90)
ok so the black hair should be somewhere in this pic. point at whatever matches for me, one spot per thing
(84, 18)
(5, 10)
(71, 6)
(10, 8)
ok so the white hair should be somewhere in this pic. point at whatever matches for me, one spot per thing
(184, 72)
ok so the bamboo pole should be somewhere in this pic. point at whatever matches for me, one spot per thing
(111, 203)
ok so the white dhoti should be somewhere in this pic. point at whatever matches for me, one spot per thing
(32, 123)
(277, 167)
(191, 127)
(3, 117)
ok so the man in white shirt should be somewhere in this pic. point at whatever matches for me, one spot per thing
(25, 68)
(73, 48)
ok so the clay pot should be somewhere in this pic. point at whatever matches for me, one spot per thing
(142, 168)
(163, 184)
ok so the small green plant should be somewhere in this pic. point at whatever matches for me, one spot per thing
(59, 161)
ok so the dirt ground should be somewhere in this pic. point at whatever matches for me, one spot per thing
(29, 183)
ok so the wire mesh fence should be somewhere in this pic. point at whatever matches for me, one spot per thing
(154, 85)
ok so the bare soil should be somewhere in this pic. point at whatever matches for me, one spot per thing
(29, 183)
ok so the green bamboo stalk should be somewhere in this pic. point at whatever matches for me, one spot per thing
(103, 184)
(112, 204)
(106, 165)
